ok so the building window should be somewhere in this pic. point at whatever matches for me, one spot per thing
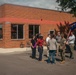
(33, 30)
(52, 32)
(1, 31)
(17, 31)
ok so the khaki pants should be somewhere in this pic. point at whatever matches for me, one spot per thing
(47, 51)
(71, 50)
(62, 53)
(58, 45)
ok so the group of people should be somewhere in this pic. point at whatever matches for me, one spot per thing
(56, 45)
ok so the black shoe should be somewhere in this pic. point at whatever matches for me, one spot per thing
(53, 62)
(71, 57)
(48, 62)
(32, 57)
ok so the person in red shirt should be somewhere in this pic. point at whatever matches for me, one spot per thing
(40, 42)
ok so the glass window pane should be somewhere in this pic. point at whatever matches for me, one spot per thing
(51, 32)
(33, 30)
(20, 31)
(1, 32)
(14, 31)
(30, 31)
(36, 29)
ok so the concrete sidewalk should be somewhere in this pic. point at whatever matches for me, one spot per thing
(11, 50)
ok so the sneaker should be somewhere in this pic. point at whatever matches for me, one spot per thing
(62, 62)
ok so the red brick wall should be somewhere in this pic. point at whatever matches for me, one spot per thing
(2, 42)
(2, 11)
(35, 13)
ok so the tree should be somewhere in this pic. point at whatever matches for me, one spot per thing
(68, 4)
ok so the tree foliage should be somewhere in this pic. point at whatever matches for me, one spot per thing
(68, 4)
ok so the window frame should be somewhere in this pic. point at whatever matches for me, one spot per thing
(2, 31)
(17, 32)
(34, 28)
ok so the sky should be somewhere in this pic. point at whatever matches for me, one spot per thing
(46, 4)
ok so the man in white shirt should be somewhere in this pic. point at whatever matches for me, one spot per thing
(71, 41)
(47, 39)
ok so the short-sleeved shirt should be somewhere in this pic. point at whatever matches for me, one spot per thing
(40, 42)
(58, 38)
(52, 44)
(47, 39)
(33, 42)
(71, 39)
(62, 43)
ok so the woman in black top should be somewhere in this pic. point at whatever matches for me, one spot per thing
(33, 46)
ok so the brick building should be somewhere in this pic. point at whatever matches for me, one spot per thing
(18, 23)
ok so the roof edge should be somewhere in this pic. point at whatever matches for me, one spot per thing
(33, 7)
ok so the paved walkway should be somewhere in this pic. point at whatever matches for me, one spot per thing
(21, 63)
(11, 50)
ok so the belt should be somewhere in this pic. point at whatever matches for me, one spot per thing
(58, 42)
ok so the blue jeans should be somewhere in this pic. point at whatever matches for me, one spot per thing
(51, 55)
(33, 52)
(40, 50)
